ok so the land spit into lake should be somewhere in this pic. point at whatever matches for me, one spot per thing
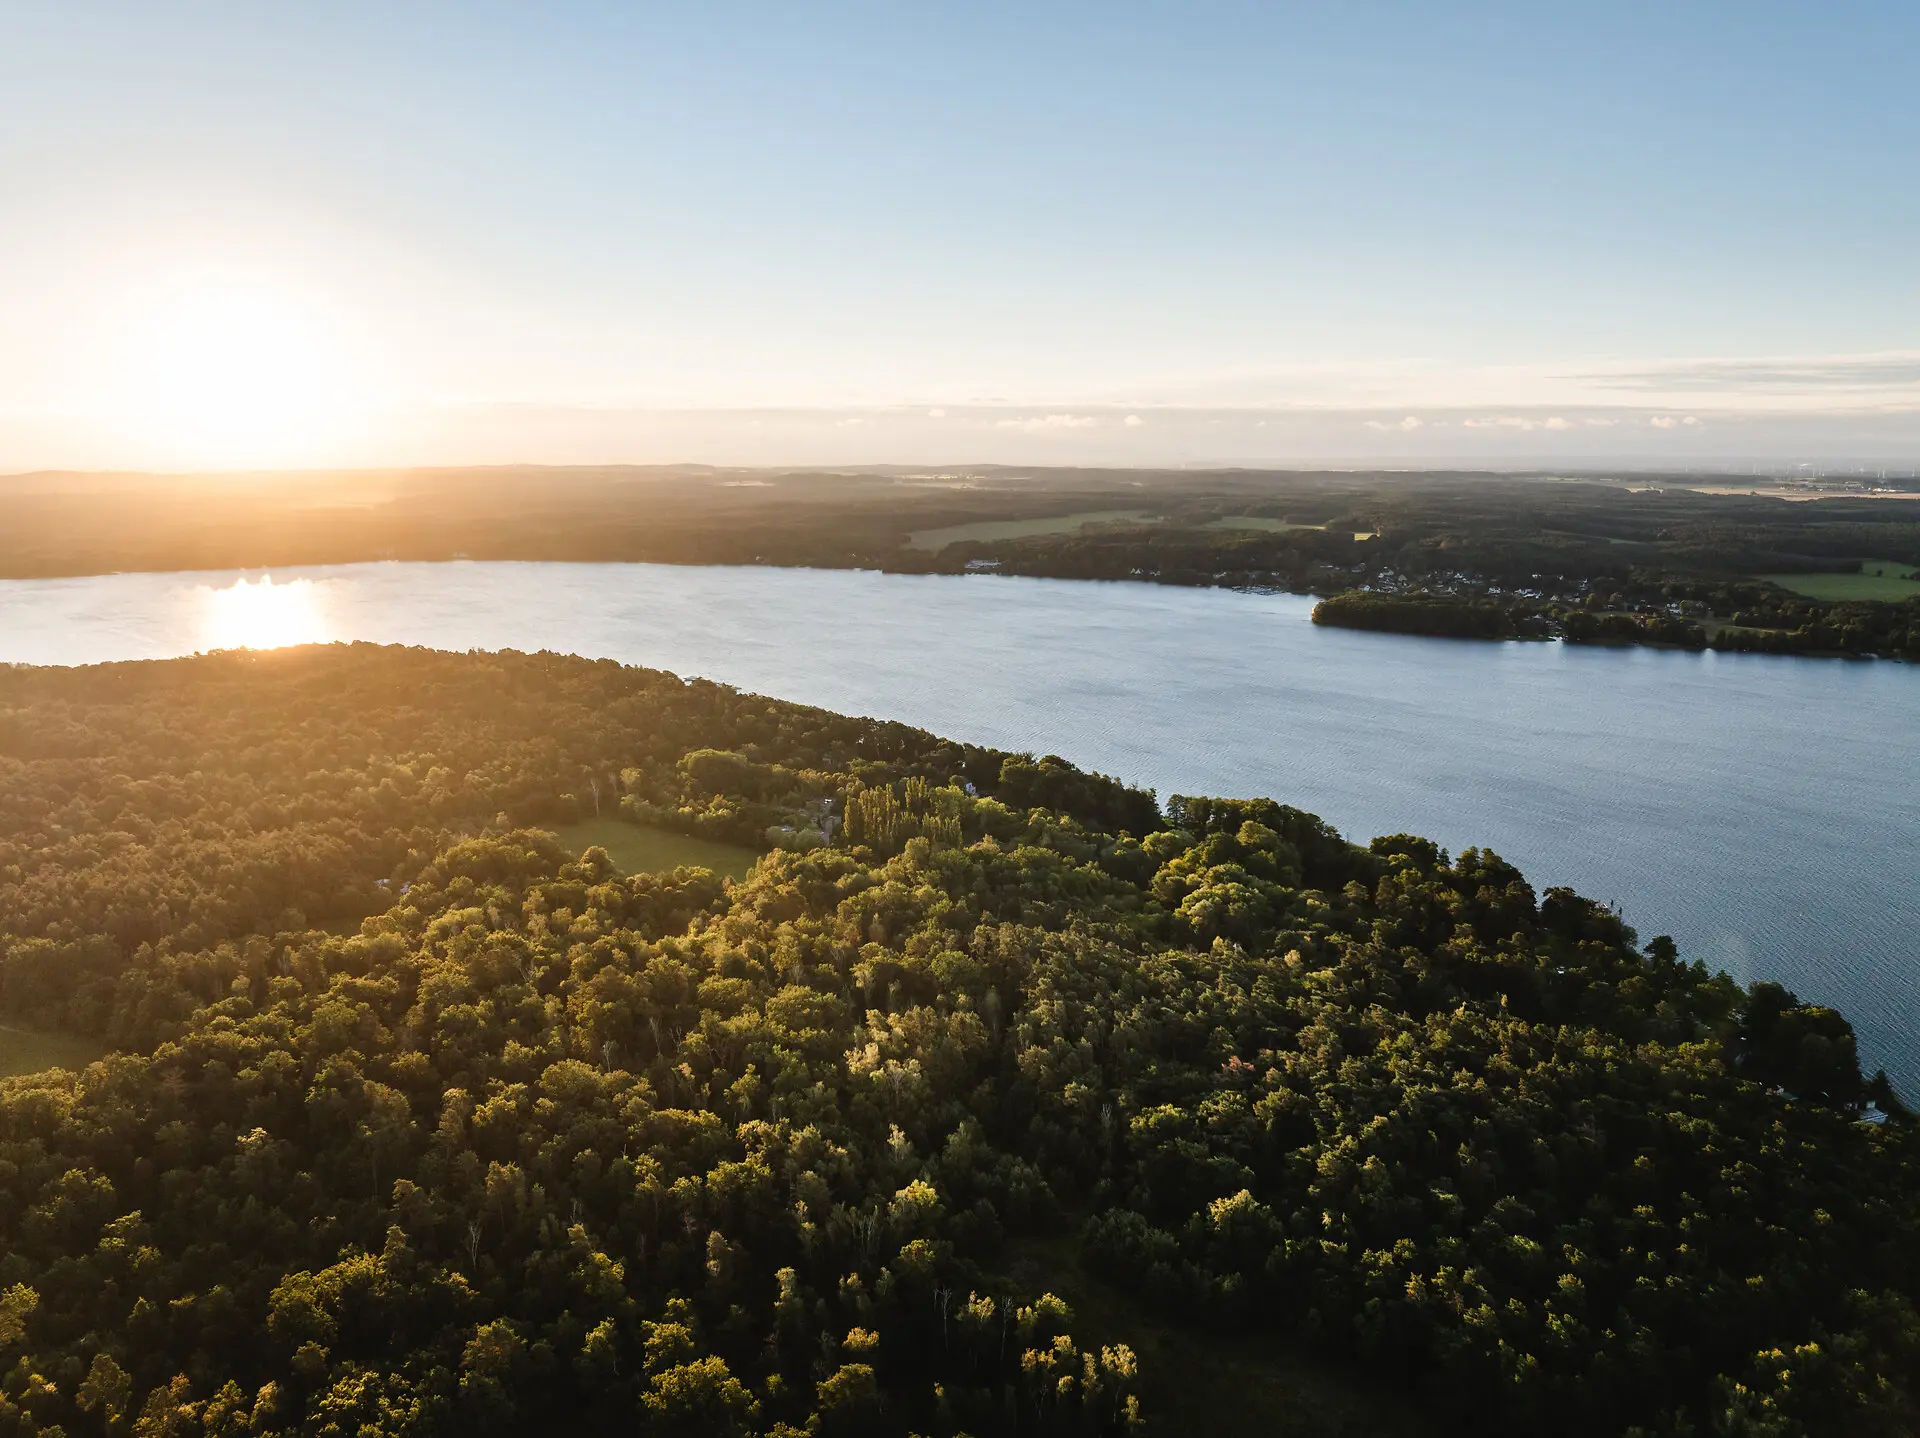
(992, 1089)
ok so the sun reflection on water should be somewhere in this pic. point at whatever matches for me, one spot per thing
(259, 614)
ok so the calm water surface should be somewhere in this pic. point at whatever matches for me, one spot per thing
(1759, 809)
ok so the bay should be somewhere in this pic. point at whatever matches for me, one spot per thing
(1759, 809)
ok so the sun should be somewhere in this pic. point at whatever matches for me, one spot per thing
(251, 614)
(228, 375)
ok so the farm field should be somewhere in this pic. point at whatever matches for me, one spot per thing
(986, 530)
(28, 1051)
(1878, 579)
(638, 849)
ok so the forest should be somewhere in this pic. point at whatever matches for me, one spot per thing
(1442, 616)
(1815, 567)
(415, 1122)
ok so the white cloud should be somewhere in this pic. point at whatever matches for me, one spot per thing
(936, 414)
(1409, 424)
(1522, 422)
(1133, 421)
(1771, 385)
(850, 422)
(1042, 424)
(1670, 421)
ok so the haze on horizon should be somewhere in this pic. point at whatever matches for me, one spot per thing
(314, 236)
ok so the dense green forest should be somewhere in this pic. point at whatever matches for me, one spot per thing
(1824, 568)
(1443, 616)
(422, 1124)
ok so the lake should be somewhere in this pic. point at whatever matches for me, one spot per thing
(1759, 809)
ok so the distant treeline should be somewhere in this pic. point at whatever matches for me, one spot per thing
(1537, 549)
(1795, 626)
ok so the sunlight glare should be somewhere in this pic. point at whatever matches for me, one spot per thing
(224, 375)
(260, 614)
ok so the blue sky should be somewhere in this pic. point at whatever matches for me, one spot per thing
(579, 231)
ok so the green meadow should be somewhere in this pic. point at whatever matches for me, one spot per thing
(29, 1051)
(1257, 521)
(1878, 579)
(639, 849)
(1269, 526)
(985, 531)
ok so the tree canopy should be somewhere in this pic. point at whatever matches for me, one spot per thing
(420, 1123)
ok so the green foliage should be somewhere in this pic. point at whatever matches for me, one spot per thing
(1434, 614)
(1053, 783)
(546, 1147)
(159, 823)
(883, 820)
(1581, 627)
(1803, 1048)
(720, 771)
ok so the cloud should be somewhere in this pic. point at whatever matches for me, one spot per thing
(936, 414)
(850, 422)
(1410, 423)
(1517, 421)
(1385, 388)
(1133, 421)
(1669, 421)
(1898, 369)
(1043, 424)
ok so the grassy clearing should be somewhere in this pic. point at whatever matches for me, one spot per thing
(1592, 538)
(24, 1051)
(1256, 521)
(985, 531)
(1222, 1385)
(1269, 526)
(1878, 579)
(638, 849)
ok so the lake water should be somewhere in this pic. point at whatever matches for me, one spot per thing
(1759, 809)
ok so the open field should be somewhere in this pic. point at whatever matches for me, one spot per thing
(1878, 579)
(1258, 521)
(1239, 1385)
(27, 1051)
(1270, 526)
(637, 849)
(1590, 538)
(985, 531)
(1777, 492)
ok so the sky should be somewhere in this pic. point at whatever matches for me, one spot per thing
(235, 235)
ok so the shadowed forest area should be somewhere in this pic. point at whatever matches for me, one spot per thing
(1812, 568)
(995, 1098)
